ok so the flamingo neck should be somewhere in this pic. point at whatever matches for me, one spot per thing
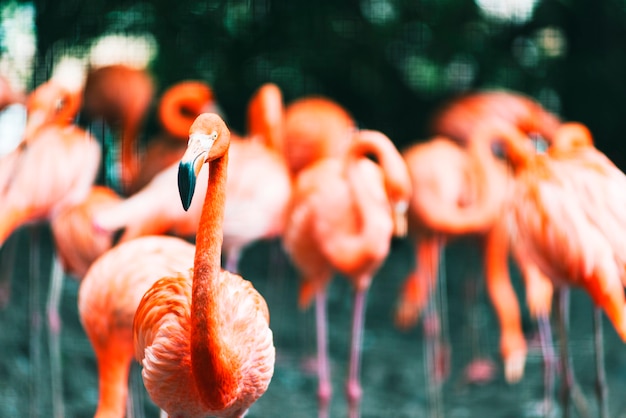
(365, 250)
(208, 353)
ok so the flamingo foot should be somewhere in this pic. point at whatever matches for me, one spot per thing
(354, 393)
(407, 315)
(480, 371)
(514, 365)
(324, 394)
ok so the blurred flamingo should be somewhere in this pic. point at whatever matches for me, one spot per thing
(342, 217)
(458, 117)
(108, 297)
(446, 203)
(203, 335)
(53, 167)
(259, 189)
(120, 95)
(76, 242)
(565, 215)
(315, 127)
(178, 107)
(12, 125)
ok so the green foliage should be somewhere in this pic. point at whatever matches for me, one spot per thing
(389, 61)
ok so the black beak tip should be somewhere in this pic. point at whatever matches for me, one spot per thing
(186, 183)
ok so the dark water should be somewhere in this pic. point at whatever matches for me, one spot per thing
(394, 377)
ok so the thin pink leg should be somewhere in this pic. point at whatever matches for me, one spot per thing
(353, 387)
(324, 392)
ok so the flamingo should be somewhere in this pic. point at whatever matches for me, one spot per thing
(52, 168)
(259, 189)
(12, 124)
(315, 127)
(458, 117)
(343, 214)
(120, 95)
(446, 204)
(108, 297)
(203, 335)
(76, 242)
(564, 213)
(178, 107)
(30, 194)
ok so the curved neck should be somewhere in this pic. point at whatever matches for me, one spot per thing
(370, 242)
(177, 112)
(480, 177)
(208, 357)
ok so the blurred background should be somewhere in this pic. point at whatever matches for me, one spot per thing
(391, 63)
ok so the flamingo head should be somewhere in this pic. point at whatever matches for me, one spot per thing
(208, 139)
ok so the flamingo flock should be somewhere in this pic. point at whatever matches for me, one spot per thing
(159, 255)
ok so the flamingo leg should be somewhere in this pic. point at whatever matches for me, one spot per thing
(35, 323)
(354, 390)
(54, 326)
(435, 351)
(134, 401)
(569, 386)
(549, 362)
(601, 386)
(324, 392)
(232, 260)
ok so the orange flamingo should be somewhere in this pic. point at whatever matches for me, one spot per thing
(120, 95)
(53, 167)
(178, 107)
(203, 335)
(342, 217)
(563, 213)
(108, 297)
(266, 116)
(33, 184)
(76, 242)
(253, 211)
(315, 127)
(457, 118)
(446, 204)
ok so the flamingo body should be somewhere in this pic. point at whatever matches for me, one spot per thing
(33, 183)
(205, 343)
(108, 297)
(77, 243)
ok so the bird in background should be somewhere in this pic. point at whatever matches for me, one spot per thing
(315, 127)
(449, 186)
(558, 212)
(203, 336)
(108, 297)
(76, 242)
(259, 189)
(55, 164)
(120, 95)
(342, 217)
(178, 106)
(53, 167)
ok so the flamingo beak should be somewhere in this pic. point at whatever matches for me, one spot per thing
(400, 222)
(191, 164)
